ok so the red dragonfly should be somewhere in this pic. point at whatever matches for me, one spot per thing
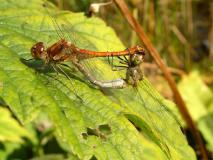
(66, 51)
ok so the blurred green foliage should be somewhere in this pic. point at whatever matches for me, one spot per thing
(199, 99)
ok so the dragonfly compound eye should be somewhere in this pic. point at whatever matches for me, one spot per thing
(140, 50)
(37, 50)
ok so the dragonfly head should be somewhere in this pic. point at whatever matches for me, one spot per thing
(38, 51)
(137, 58)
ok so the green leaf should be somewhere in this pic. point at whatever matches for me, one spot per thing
(11, 135)
(113, 124)
(50, 157)
(199, 101)
(11, 131)
(7, 148)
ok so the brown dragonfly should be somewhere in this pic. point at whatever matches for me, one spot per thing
(64, 50)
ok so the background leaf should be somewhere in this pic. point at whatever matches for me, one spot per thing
(10, 129)
(12, 134)
(199, 100)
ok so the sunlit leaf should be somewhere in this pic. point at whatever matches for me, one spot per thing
(10, 129)
(199, 100)
(12, 134)
(50, 157)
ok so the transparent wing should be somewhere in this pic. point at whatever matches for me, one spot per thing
(148, 111)
(79, 33)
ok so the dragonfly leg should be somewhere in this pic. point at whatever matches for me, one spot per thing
(118, 68)
(111, 62)
(60, 70)
(123, 60)
(73, 69)
(117, 83)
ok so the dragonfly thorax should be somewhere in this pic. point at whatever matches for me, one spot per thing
(134, 75)
(134, 72)
(135, 60)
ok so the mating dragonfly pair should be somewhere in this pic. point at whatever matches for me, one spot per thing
(63, 51)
